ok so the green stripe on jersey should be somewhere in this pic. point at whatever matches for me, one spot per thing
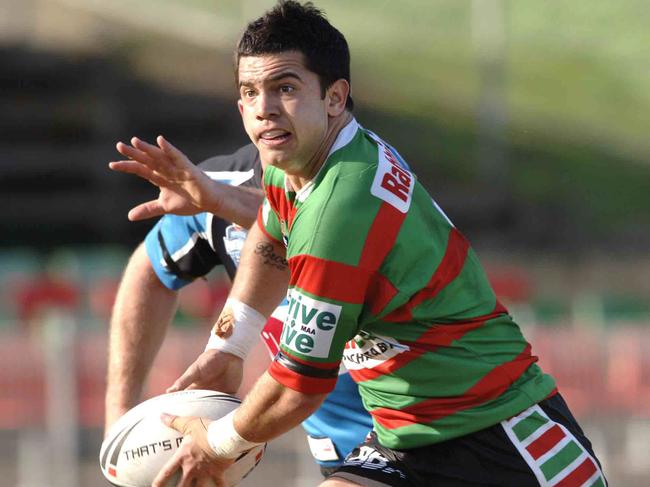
(463, 422)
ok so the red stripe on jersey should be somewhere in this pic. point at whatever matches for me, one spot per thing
(260, 224)
(544, 443)
(329, 279)
(282, 206)
(381, 236)
(380, 292)
(491, 386)
(448, 269)
(437, 336)
(277, 200)
(579, 476)
(301, 383)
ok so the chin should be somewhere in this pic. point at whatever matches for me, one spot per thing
(274, 158)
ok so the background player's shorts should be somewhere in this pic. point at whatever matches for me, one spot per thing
(541, 446)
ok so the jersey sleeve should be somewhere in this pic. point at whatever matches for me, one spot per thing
(180, 249)
(269, 222)
(268, 216)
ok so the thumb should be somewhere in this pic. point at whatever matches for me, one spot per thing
(175, 422)
(146, 210)
(169, 149)
(184, 381)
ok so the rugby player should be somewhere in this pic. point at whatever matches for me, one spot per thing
(181, 248)
(378, 277)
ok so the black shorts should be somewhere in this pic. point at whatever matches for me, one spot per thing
(543, 445)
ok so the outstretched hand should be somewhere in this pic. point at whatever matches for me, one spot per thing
(184, 188)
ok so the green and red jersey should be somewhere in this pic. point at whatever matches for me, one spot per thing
(382, 280)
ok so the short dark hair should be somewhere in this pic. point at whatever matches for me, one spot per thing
(290, 26)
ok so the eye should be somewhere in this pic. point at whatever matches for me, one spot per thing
(248, 93)
(287, 89)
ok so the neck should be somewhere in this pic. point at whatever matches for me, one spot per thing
(308, 171)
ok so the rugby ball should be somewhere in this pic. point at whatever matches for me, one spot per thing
(139, 444)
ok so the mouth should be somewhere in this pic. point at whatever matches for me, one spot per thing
(274, 137)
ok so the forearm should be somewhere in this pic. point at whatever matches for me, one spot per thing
(271, 409)
(263, 274)
(141, 315)
(235, 204)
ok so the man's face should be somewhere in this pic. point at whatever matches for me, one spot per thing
(282, 108)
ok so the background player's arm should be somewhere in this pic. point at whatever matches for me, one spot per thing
(184, 188)
(143, 309)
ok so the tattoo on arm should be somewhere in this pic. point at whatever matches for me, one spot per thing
(265, 250)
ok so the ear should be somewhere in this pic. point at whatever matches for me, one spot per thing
(337, 96)
(240, 106)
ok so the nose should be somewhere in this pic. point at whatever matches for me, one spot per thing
(266, 106)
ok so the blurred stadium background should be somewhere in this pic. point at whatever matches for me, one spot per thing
(528, 121)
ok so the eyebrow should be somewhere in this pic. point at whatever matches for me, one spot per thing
(277, 77)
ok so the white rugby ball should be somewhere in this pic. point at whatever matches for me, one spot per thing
(139, 444)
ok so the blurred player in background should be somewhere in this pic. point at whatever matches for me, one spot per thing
(379, 278)
(180, 249)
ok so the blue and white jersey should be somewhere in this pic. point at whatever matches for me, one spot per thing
(184, 248)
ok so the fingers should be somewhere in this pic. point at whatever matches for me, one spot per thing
(166, 146)
(133, 152)
(171, 151)
(152, 152)
(132, 167)
(167, 472)
(147, 154)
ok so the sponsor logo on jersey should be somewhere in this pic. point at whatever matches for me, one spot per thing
(366, 351)
(393, 183)
(310, 325)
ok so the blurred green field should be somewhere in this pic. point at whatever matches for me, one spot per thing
(577, 93)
